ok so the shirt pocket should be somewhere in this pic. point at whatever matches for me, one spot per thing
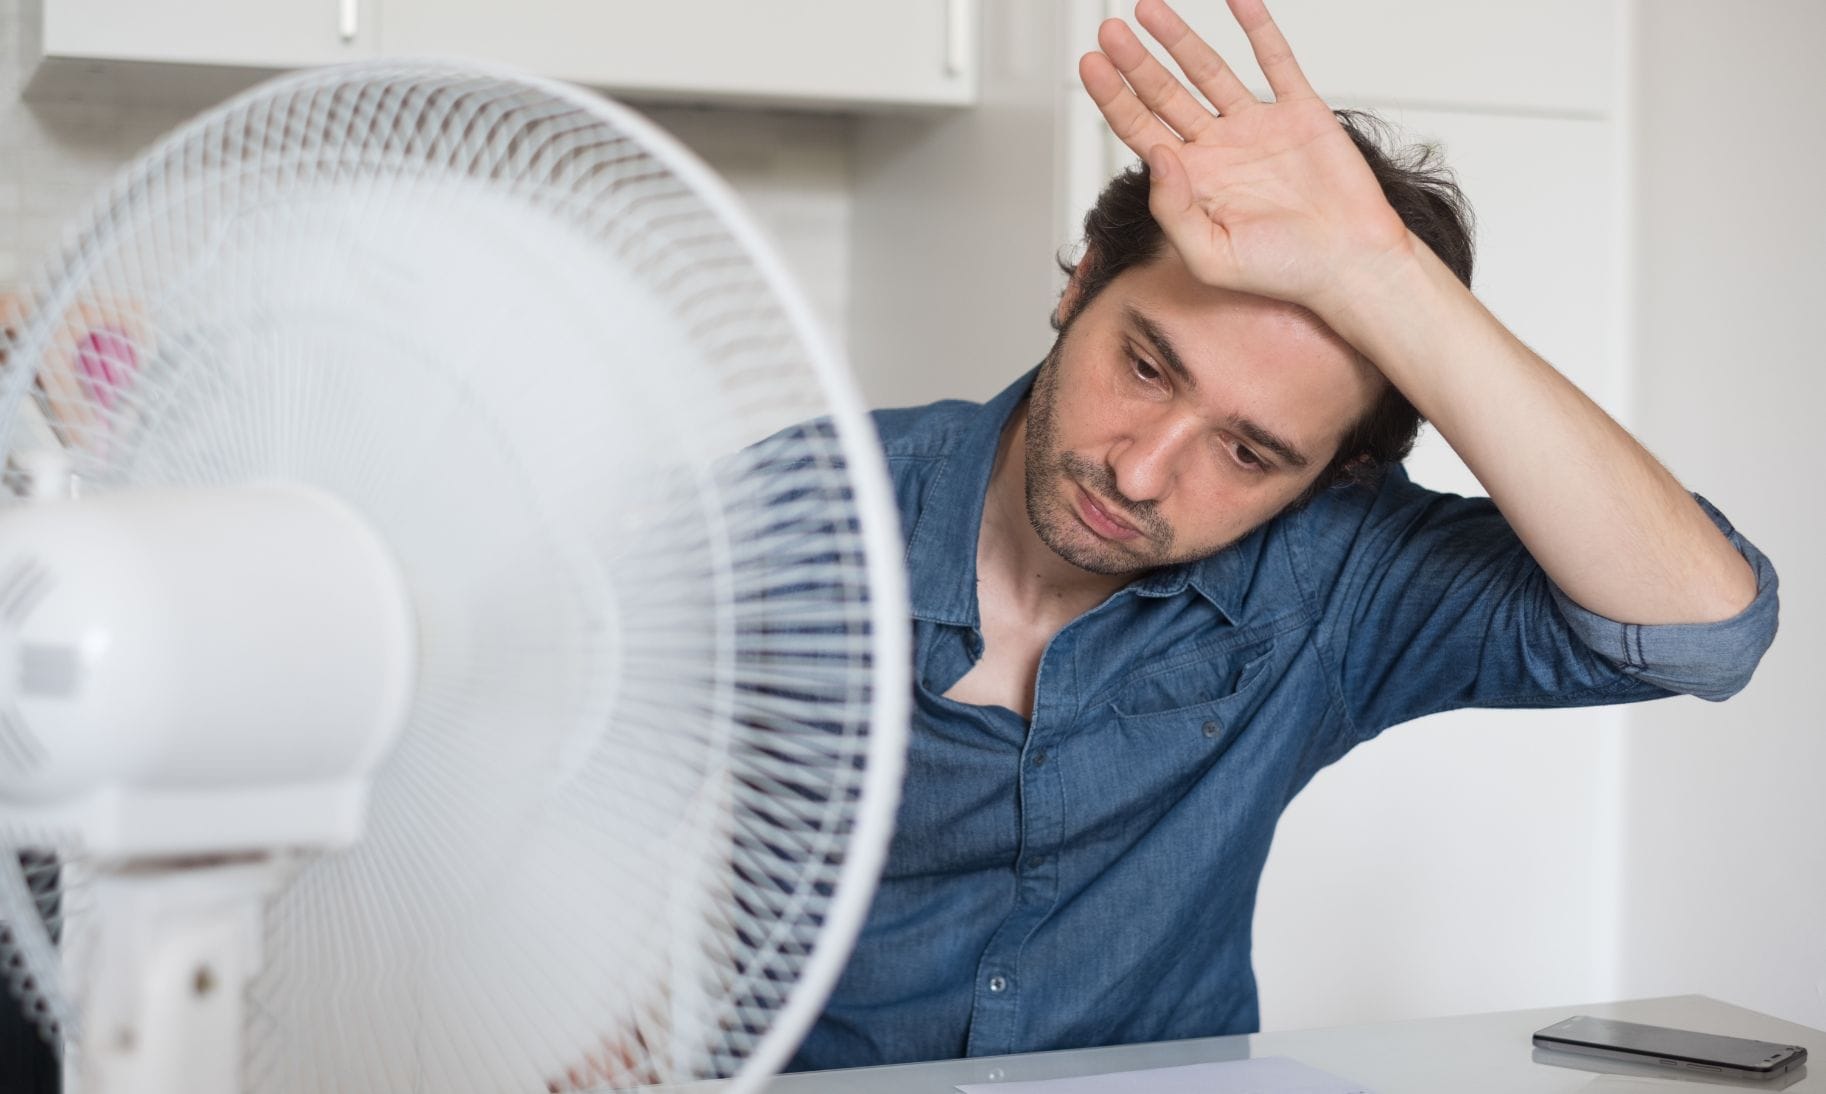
(1203, 699)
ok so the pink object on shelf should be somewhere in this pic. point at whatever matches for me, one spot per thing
(105, 360)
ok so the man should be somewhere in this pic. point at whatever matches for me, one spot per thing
(1163, 580)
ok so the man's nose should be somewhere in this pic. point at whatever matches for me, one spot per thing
(1148, 461)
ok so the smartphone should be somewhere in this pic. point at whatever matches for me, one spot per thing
(1709, 1052)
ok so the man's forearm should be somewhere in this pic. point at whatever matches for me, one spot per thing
(1601, 515)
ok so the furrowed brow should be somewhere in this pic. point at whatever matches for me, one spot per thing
(1169, 355)
(1257, 435)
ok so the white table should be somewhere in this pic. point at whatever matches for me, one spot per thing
(1470, 1054)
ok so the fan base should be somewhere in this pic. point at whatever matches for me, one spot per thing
(170, 956)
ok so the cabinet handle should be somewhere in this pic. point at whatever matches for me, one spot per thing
(957, 36)
(348, 19)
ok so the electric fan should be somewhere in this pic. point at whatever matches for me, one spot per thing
(451, 627)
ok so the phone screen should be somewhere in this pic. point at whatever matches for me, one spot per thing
(1669, 1044)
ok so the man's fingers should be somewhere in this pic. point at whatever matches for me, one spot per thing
(1134, 124)
(1201, 64)
(1271, 50)
(1157, 88)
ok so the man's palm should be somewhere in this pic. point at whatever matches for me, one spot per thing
(1267, 198)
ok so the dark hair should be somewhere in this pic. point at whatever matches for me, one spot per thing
(1120, 233)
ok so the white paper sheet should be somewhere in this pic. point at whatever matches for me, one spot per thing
(1267, 1075)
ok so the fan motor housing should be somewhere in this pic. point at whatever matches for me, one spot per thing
(197, 671)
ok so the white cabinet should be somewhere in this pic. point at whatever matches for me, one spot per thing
(263, 34)
(830, 54)
(863, 52)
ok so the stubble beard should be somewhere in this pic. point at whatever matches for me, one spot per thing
(1050, 508)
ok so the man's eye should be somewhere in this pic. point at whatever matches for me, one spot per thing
(1145, 371)
(1248, 458)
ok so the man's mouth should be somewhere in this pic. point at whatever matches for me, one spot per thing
(1101, 520)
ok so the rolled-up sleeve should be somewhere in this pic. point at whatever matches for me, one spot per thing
(1433, 603)
(1710, 660)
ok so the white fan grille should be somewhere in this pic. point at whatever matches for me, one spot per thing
(651, 758)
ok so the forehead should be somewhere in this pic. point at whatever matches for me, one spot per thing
(1267, 360)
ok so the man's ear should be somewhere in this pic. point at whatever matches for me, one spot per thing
(1074, 288)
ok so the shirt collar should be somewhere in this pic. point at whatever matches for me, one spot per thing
(1222, 578)
(941, 545)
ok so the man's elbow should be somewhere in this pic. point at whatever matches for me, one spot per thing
(1715, 660)
(1732, 593)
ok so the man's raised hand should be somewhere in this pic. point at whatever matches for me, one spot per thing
(1270, 198)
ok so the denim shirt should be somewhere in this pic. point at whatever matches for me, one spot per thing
(1088, 877)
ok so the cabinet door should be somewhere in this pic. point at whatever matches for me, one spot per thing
(250, 33)
(808, 52)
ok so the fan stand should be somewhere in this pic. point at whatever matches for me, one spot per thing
(175, 945)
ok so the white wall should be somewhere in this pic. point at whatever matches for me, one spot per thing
(1726, 836)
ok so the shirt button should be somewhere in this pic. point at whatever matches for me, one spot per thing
(997, 984)
(1211, 729)
(1039, 757)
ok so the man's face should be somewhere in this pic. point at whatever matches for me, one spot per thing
(1172, 418)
